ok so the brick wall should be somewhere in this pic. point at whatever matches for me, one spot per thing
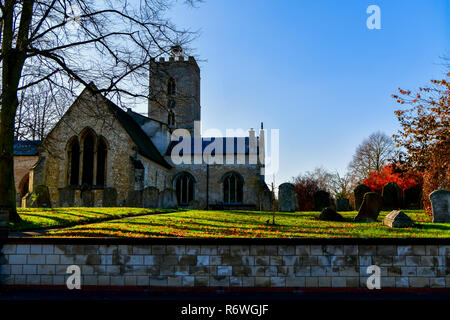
(227, 265)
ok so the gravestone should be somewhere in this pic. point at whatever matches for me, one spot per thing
(109, 197)
(265, 200)
(150, 197)
(329, 214)
(391, 195)
(287, 198)
(359, 193)
(167, 199)
(134, 199)
(342, 204)
(412, 197)
(398, 219)
(193, 205)
(87, 198)
(39, 198)
(66, 197)
(321, 200)
(370, 208)
(440, 204)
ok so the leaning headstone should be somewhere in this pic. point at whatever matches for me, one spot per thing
(134, 199)
(412, 197)
(398, 219)
(342, 204)
(329, 214)
(370, 208)
(359, 193)
(391, 195)
(109, 197)
(66, 197)
(150, 197)
(321, 200)
(167, 199)
(440, 204)
(287, 198)
(87, 198)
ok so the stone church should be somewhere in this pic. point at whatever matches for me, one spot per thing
(98, 154)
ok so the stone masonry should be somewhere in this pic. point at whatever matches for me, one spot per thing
(179, 265)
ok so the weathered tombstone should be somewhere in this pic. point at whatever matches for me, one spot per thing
(150, 197)
(287, 198)
(391, 195)
(412, 197)
(329, 214)
(39, 198)
(167, 199)
(109, 197)
(66, 197)
(87, 198)
(440, 204)
(321, 200)
(370, 208)
(359, 193)
(342, 204)
(398, 219)
(265, 200)
(134, 199)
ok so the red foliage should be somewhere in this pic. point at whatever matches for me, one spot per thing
(305, 187)
(377, 180)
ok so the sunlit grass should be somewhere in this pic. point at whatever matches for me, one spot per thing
(245, 224)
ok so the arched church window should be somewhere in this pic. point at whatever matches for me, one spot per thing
(171, 118)
(232, 188)
(101, 162)
(171, 86)
(74, 162)
(184, 188)
(88, 159)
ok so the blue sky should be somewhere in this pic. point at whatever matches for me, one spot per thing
(313, 70)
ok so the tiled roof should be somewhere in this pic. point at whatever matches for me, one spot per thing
(26, 148)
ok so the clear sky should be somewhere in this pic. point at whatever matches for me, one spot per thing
(313, 70)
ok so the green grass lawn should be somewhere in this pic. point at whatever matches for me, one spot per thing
(41, 218)
(242, 224)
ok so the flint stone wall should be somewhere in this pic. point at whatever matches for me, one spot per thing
(222, 265)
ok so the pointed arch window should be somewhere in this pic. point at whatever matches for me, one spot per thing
(171, 118)
(74, 162)
(88, 159)
(101, 162)
(184, 188)
(171, 86)
(232, 188)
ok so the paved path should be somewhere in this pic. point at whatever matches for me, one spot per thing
(38, 232)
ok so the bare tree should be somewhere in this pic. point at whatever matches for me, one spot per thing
(340, 186)
(71, 43)
(372, 155)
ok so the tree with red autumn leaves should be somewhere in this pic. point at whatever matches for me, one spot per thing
(425, 134)
(378, 179)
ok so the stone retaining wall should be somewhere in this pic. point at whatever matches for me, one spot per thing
(223, 265)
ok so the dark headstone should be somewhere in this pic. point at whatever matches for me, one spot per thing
(287, 198)
(342, 204)
(412, 197)
(321, 200)
(265, 200)
(109, 197)
(329, 214)
(359, 193)
(398, 219)
(167, 199)
(87, 198)
(66, 197)
(391, 195)
(370, 208)
(150, 197)
(440, 204)
(39, 198)
(134, 199)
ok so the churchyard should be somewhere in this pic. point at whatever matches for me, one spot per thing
(119, 222)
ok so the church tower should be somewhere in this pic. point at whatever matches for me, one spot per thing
(175, 91)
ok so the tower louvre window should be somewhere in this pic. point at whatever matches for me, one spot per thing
(171, 86)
